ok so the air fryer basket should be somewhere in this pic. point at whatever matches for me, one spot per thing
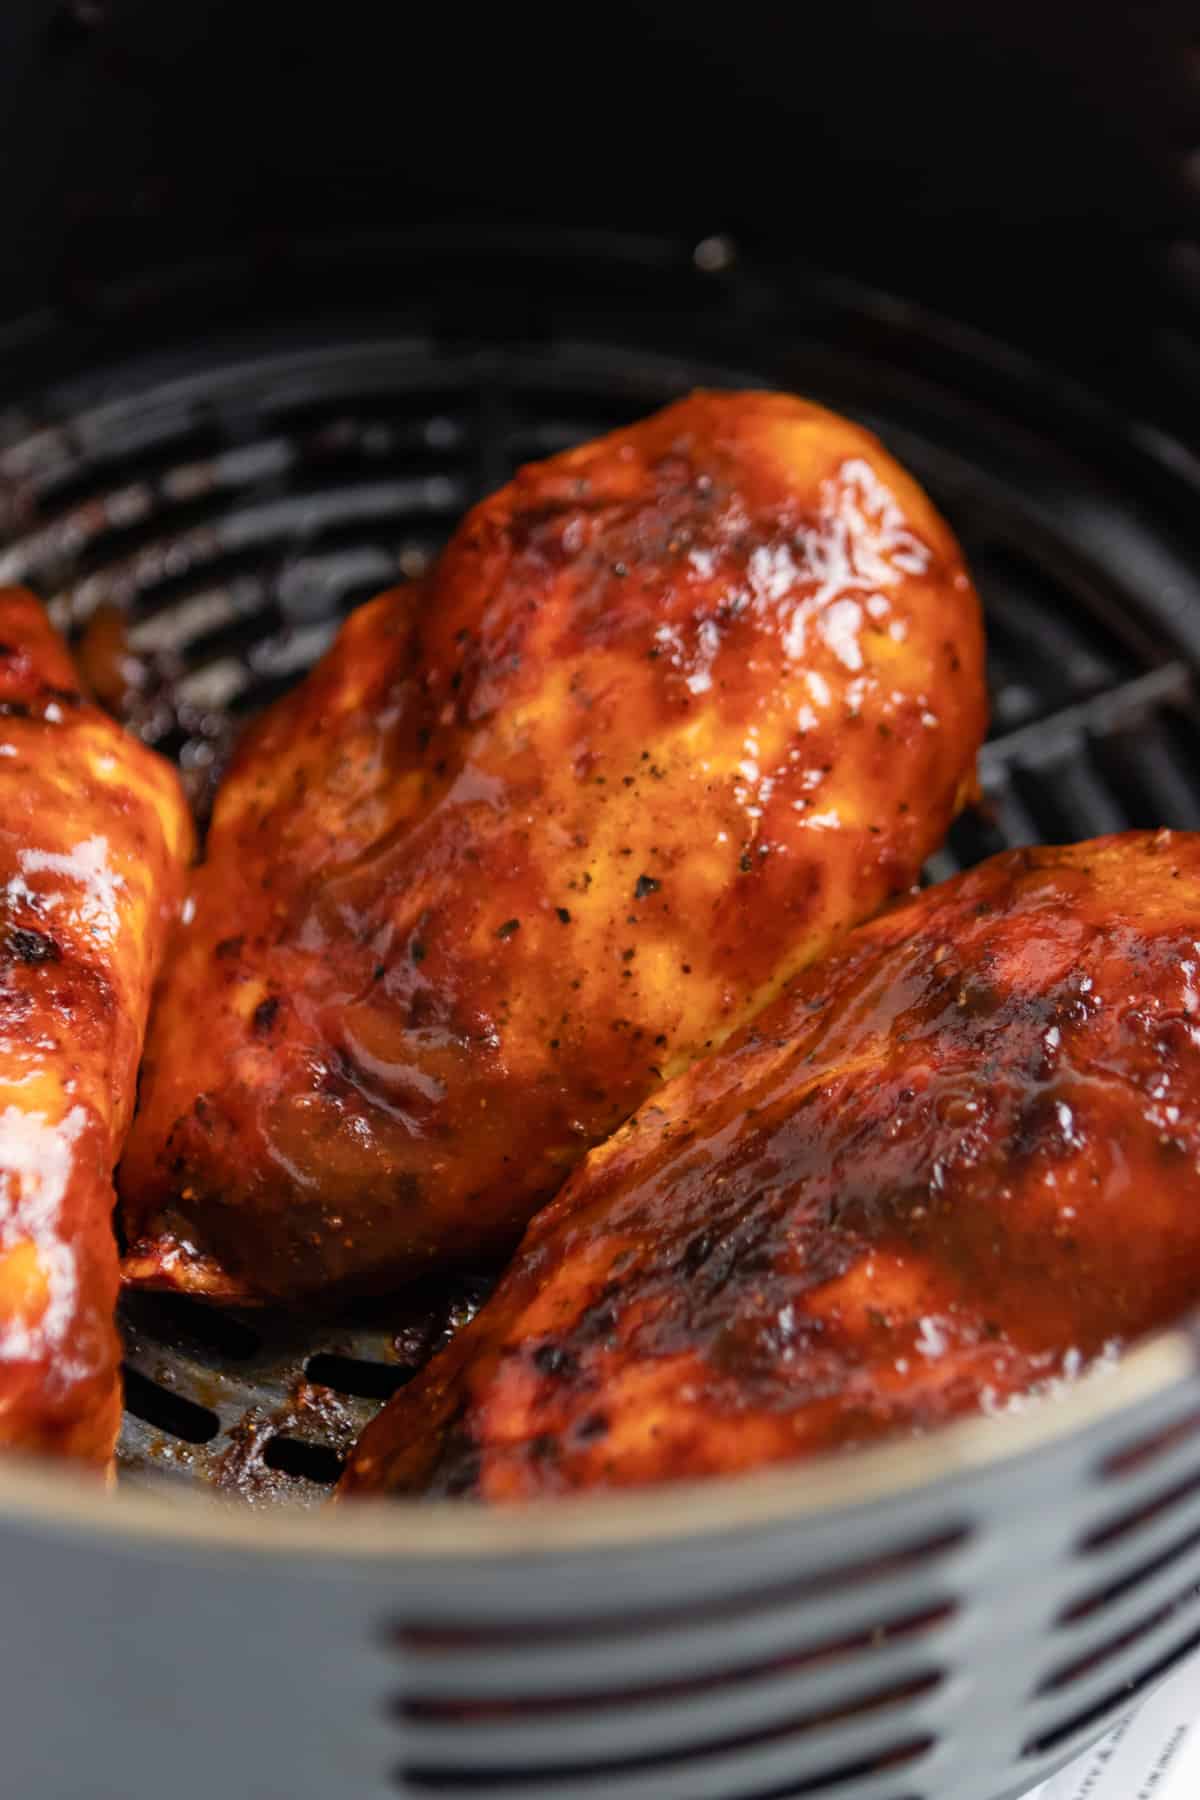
(940, 1620)
(251, 370)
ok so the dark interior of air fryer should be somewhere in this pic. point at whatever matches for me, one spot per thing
(284, 294)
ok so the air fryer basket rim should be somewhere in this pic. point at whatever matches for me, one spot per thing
(401, 1530)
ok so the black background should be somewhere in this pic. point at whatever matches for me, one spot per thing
(1021, 167)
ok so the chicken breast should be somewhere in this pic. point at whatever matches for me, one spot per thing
(956, 1163)
(95, 837)
(672, 711)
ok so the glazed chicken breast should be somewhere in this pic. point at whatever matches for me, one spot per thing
(95, 837)
(956, 1163)
(671, 712)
